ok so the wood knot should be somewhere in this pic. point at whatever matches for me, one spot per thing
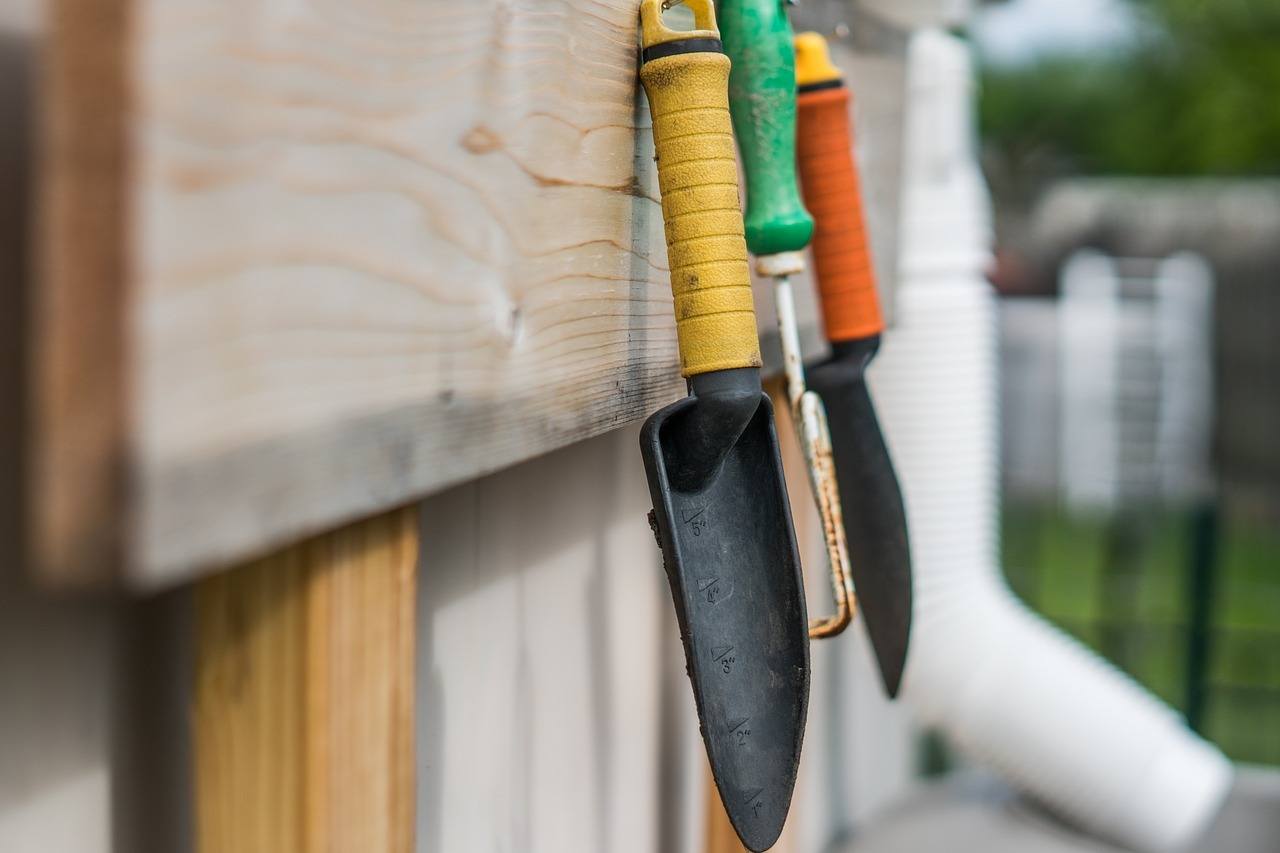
(481, 140)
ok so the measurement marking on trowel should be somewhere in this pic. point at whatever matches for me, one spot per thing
(722, 654)
(713, 590)
(755, 806)
(739, 729)
(697, 521)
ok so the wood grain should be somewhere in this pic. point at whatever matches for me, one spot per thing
(383, 247)
(303, 720)
(306, 260)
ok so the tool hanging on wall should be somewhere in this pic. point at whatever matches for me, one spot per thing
(874, 520)
(762, 100)
(720, 507)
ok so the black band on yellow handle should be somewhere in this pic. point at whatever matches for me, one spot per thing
(686, 79)
(672, 48)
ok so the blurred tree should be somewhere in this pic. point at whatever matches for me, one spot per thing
(1194, 93)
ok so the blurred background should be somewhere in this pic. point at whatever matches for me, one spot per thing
(1132, 149)
(1132, 153)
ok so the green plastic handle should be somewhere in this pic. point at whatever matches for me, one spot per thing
(762, 99)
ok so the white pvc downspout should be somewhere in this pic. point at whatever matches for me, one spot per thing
(1009, 689)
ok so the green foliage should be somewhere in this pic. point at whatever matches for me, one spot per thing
(1196, 93)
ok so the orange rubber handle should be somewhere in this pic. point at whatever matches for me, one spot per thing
(841, 256)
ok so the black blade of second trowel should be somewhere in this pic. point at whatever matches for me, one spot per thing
(875, 522)
(730, 555)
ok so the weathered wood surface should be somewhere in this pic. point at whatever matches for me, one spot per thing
(303, 720)
(555, 711)
(382, 248)
(302, 262)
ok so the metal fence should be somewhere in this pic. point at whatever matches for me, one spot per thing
(1113, 526)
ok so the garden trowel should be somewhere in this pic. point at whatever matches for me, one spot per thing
(720, 507)
(874, 519)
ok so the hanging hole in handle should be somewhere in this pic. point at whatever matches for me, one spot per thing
(678, 17)
(683, 19)
(689, 15)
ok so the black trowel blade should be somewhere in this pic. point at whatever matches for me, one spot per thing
(730, 555)
(874, 519)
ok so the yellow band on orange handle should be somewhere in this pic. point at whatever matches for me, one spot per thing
(698, 177)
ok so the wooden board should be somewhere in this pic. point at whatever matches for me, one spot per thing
(361, 251)
(303, 723)
(302, 262)
(546, 623)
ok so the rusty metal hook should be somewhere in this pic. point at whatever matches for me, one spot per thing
(810, 418)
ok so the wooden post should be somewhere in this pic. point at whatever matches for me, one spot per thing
(721, 837)
(304, 696)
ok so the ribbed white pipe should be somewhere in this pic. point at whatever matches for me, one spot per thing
(1009, 690)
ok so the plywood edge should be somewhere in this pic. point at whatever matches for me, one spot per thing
(77, 480)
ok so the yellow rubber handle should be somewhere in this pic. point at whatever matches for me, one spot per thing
(698, 177)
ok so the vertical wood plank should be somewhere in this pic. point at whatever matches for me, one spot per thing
(721, 837)
(542, 664)
(303, 710)
(79, 410)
